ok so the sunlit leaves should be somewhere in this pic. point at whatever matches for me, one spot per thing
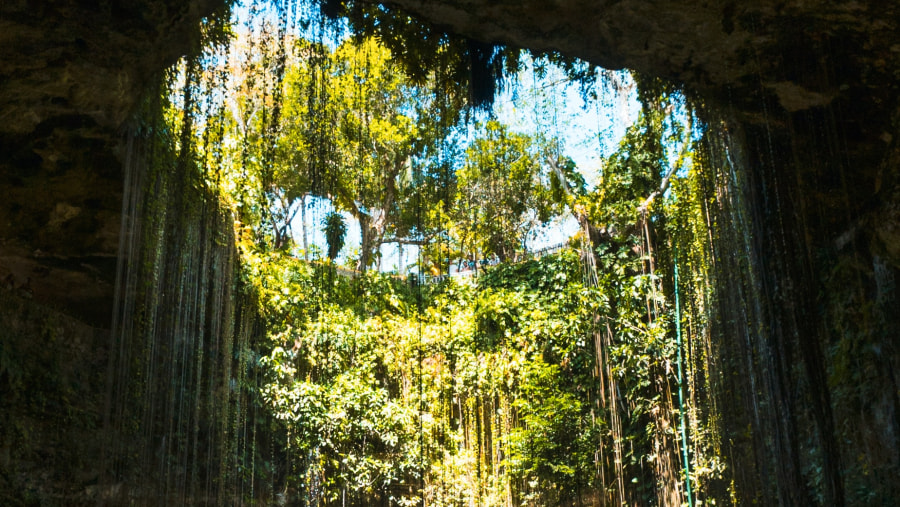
(502, 192)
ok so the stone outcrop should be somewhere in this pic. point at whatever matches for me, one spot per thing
(805, 53)
(71, 72)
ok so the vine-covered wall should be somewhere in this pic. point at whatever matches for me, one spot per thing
(51, 401)
(160, 408)
(794, 324)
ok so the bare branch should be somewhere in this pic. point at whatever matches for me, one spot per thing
(663, 186)
(408, 241)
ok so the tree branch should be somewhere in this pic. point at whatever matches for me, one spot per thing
(663, 186)
(407, 241)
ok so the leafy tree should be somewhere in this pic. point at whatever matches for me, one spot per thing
(387, 130)
(503, 192)
(357, 132)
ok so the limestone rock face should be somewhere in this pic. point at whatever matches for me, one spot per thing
(805, 53)
(71, 72)
(88, 59)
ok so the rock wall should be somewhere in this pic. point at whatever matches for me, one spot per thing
(734, 51)
(161, 407)
(71, 72)
(52, 376)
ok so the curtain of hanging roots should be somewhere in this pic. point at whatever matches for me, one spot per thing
(180, 411)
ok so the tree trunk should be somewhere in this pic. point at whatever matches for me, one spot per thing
(303, 227)
(366, 234)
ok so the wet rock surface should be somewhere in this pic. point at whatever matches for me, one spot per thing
(71, 73)
(52, 376)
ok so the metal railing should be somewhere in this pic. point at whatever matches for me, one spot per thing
(472, 269)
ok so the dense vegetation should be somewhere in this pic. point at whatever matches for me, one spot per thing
(542, 381)
(719, 326)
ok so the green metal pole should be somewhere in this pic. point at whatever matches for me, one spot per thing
(684, 441)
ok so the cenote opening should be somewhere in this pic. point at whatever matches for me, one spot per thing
(349, 253)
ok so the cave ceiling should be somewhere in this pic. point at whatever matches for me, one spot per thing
(71, 73)
(804, 53)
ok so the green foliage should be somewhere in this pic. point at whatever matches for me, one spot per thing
(557, 440)
(468, 69)
(503, 192)
(505, 384)
(351, 372)
(538, 382)
(329, 380)
(342, 124)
